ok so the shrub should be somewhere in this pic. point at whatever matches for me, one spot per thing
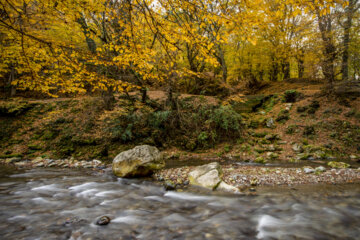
(226, 118)
(157, 119)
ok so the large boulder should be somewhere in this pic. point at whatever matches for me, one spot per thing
(139, 161)
(208, 176)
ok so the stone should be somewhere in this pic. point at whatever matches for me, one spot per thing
(96, 162)
(139, 161)
(208, 176)
(12, 160)
(288, 106)
(308, 170)
(270, 123)
(104, 220)
(334, 164)
(227, 188)
(37, 160)
(297, 148)
(52, 164)
(304, 156)
(353, 157)
(39, 164)
(169, 186)
(320, 169)
(20, 164)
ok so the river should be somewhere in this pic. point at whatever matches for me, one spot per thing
(65, 204)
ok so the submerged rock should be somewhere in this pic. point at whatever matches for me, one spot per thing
(208, 176)
(104, 220)
(139, 161)
(169, 186)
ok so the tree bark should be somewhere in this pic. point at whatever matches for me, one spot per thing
(286, 69)
(221, 59)
(329, 49)
(90, 42)
(349, 12)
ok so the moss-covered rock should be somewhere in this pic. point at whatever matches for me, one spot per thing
(139, 161)
(334, 164)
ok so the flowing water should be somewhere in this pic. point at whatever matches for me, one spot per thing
(65, 204)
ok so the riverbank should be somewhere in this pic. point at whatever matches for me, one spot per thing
(241, 175)
(263, 139)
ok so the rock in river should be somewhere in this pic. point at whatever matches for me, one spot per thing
(139, 161)
(104, 220)
(208, 176)
(227, 188)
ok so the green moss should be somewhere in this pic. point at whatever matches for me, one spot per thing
(260, 160)
(260, 134)
(34, 147)
(227, 148)
(259, 150)
(283, 116)
(291, 129)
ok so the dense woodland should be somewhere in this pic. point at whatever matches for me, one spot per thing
(64, 48)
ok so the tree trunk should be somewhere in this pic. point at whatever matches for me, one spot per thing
(221, 59)
(329, 51)
(108, 98)
(286, 69)
(9, 89)
(346, 40)
(90, 42)
(143, 95)
(301, 68)
(274, 70)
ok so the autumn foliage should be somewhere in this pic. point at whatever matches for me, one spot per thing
(57, 47)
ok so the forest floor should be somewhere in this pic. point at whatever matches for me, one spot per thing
(285, 128)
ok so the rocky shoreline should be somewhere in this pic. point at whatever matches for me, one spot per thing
(40, 162)
(241, 177)
(251, 176)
